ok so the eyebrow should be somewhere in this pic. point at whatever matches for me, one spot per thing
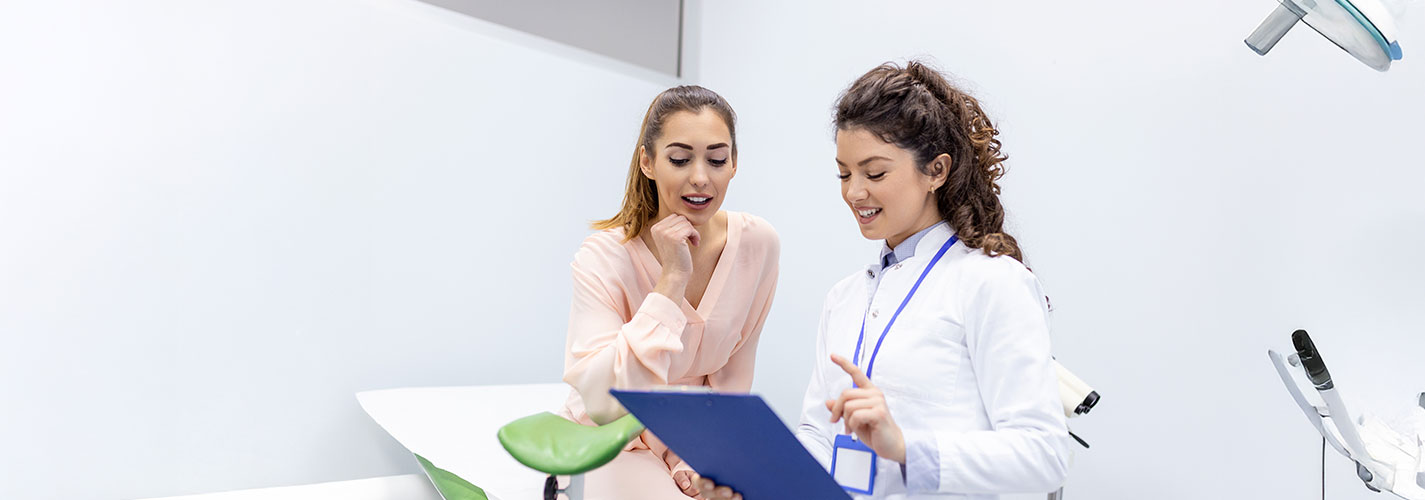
(690, 148)
(863, 163)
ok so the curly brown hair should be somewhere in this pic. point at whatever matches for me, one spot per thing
(916, 108)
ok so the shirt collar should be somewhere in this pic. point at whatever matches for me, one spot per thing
(906, 249)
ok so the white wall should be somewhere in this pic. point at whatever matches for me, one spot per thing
(219, 220)
(1187, 203)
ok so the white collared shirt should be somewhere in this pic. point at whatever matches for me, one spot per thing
(965, 372)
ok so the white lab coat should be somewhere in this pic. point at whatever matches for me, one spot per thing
(965, 371)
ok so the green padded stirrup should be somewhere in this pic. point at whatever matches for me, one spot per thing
(451, 486)
(554, 445)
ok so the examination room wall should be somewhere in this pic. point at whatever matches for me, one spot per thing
(220, 220)
(1187, 204)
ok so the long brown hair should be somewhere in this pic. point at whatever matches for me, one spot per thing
(640, 199)
(918, 110)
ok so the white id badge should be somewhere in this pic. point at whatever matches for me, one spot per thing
(853, 465)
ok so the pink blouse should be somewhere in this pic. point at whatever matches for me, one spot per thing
(623, 336)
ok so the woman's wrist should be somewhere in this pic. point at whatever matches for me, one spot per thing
(899, 453)
(897, 444)
(672, 285)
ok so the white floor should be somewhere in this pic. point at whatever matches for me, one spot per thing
(403, 487)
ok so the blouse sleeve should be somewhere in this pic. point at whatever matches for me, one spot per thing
(603, 351)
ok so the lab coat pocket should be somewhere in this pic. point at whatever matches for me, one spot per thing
(922, 359)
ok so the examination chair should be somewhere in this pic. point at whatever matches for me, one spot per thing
(556, 446)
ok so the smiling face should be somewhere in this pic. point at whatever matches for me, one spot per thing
(889, 197)
(691, 164)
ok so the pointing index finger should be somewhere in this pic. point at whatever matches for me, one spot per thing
(857, 376)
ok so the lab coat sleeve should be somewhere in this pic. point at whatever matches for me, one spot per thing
(603, 351)
(1007, 334)
(922, 460)
(736, 374)
(815, 430)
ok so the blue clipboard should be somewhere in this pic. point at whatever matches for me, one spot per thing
(735, 440)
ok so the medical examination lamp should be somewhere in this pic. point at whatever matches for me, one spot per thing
(1363, 28)
(1388, 458)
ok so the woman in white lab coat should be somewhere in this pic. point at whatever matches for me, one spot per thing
(946, 333)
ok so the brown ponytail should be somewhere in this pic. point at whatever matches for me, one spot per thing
(918, 110)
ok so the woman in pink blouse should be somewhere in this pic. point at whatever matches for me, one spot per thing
(671, 291)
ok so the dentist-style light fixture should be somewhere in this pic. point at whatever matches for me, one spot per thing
(1363, 28)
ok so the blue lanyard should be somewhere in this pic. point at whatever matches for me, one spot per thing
(871, 365)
